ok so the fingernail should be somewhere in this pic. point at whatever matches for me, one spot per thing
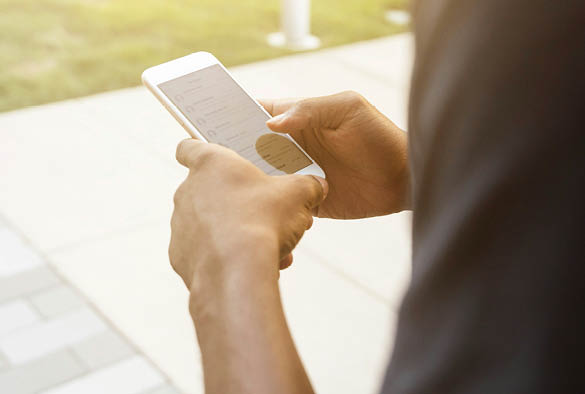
(324, 185)
(278, 118)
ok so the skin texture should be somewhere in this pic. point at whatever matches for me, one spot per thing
(363, 154)
(233, 227)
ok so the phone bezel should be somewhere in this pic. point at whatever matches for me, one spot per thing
(173, 69)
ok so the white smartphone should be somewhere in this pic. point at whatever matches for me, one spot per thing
(207, 101)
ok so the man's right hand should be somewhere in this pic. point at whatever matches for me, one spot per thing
(363, 154)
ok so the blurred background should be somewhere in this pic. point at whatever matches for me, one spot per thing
(88, 301)
(57, 49)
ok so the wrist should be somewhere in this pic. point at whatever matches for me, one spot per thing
(401, 175)
(405, 186)
(232, 270)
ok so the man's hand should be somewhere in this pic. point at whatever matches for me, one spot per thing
(227, 207)
(231, 227)
(363, 154)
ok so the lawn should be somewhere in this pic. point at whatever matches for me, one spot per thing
(57, 49)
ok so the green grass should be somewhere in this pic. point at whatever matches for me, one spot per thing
(57, 49)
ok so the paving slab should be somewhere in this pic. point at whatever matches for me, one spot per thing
(374, 253)
(40, 373)
(102, 349)
(45, 337)
(15, 315)
(56, 300)
(49, 334)
(92, 181)
(3, 362)
(130, 376)
(343, 333)
(15, 255)
(26, 282)
(129, 279)
(165, 389)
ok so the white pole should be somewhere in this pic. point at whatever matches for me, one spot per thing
(295, 18)
(296, 26)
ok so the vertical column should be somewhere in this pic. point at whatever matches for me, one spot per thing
(296, 27)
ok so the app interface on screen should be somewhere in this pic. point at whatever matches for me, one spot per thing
(224, 114)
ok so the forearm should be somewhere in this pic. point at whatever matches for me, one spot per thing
(245, 343)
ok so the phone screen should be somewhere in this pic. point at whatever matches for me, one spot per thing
(224, 114)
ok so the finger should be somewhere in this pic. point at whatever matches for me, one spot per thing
(286, 262)
(187, 151)
(276, 107)
(310, 223)
(311, 190)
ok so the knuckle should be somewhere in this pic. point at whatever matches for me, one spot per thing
(291, 241)
(304, 105)
(308, 220)
(194, 154)
(179, 195)
(307, 111)
(354, 98)
(302, 184)
(181, 151)
(313, 188)
(306, 190)
(205, 156)
(173, 257)
(298, 234)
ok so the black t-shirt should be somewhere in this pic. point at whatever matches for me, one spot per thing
(497, 150)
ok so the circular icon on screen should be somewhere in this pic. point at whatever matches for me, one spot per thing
(281, 153)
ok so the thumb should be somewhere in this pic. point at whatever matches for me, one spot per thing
(286, 122)
(298, 117)
(316, 113)
(324, 187)
(309, 190)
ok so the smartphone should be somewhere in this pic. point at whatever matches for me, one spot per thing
(211, 106)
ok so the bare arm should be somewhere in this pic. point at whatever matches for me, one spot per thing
(245, 342)
(232, 228)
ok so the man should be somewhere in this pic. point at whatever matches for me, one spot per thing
(496, 180)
